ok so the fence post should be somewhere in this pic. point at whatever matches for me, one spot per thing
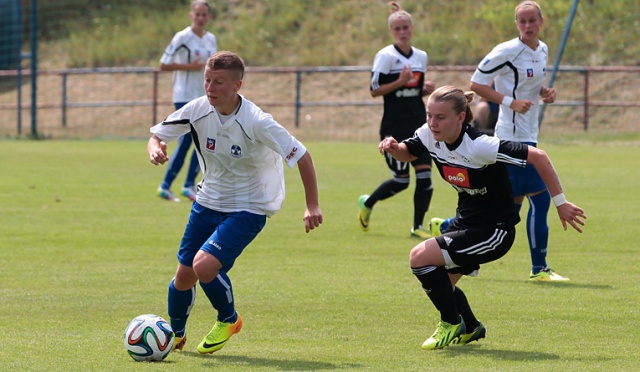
(297, 101)
(64, 99)
(34, 68)
(154, 105)
(585, 120)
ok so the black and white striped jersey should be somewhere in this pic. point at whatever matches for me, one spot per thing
(475, 166)
(404, 109)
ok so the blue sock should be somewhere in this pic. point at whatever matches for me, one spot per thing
(180, 304)
(538, 230)
(220, 294)
(446, 224)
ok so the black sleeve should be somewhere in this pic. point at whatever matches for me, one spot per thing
(415, 145)
(513, 153)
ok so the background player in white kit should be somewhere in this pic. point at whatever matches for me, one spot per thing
(186, 56)
(484, 227)
(240, 149)
(518, 68)
(398, 74)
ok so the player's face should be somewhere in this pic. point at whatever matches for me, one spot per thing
(199, 16)
(222, 88)
(444, 122)
(401, 30)
(529, 22)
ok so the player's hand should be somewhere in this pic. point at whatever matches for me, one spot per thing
(196, 65)
(521, 106)
(428, 87)
(157, 152)
(405, 75)
(389, 145)
(312, 218)
(548, 95)
(572, 214)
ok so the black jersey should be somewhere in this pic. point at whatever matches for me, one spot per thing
(404, 109)
(475, 166)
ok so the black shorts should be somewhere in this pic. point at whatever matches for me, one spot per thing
(465, 250)
(401, 168)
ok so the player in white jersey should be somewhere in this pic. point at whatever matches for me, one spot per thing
(398, 74)
(484, 227)
(186, 56)
(518, 69)
(240, 149)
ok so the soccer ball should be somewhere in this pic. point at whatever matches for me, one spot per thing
(148, 338)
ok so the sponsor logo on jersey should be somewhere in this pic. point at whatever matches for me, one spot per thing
(456, 176)
(471, 192)
(415, 79)
(486, 61)
(236, 151)
(447, 240)
(413, 92)
(291, 154)
(529, 73)
(211, 144)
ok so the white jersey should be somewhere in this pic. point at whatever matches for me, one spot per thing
(186, 47)
(241, 158)
(519, 72)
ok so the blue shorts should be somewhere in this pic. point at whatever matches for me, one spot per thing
(525, 180)
(223, 235)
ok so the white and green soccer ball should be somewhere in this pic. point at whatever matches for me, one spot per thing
(148, 338)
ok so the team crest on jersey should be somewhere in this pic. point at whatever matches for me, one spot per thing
(236, 151)
(211, 144)
(197, 53)
(456, 176)
(529, 73)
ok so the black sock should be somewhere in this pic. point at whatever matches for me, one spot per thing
(470, 320)
(437, 285)
(386, 190)
(421, 197)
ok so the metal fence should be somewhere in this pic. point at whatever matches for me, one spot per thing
(88, 103)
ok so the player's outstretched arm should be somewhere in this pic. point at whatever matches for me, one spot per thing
(398, 150)
(157, 149)
(567, 211)
(312, 214)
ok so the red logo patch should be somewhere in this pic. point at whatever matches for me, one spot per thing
(456, 176)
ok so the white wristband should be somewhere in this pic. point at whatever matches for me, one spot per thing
(559, 199)
(506, 101)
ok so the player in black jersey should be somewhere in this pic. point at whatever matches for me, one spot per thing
(398, 75)
(484, 227)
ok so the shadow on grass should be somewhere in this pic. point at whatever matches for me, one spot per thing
(511, 355)
(280, 364)
(568, 285)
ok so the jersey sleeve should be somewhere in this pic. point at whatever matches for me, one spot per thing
(513, 153)
(415, 145)
(380, 68)
(490, 66)
(170, 50)
(276, 137)
(175, 125)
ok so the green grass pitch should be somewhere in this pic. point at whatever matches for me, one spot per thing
(85, 246)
